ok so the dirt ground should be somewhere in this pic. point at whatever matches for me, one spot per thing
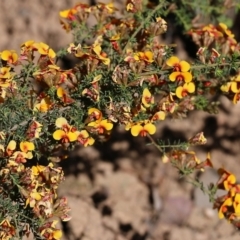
(121, 190)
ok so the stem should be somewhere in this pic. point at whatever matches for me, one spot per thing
(192, 67)
(154, 143)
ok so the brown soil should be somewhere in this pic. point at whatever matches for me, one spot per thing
(121, 190)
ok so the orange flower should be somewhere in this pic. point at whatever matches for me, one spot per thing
(181, 76)
(147, 98)
(182, 91)
(147, 128)
(10, 56)
(178, 66)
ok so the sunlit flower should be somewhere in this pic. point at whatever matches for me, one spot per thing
(181, 76)
(224, 207)
(101, 127)
(11, 147)
(178, 66)
(10, 56)
(7, 231)
(68, 14)
(147, 98)
(183, 91)
(44, 105)
(27, 146)
(160, 115)
(67, 133)
(94, 114)
(85, 139)
(146, 56)
(227, 179)
(64, 96)
(236, 203)
(44, 49)
(65, 136)
(34, 130)
(5, 72)
(143, 130)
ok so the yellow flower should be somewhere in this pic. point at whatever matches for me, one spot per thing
(181, 76)
(65, 136)
(94, 114)
(178, 66)
(224, 207)
(236, 203)
(160, 115)
(5, 72)
(10, 56)
(227, 179)
(27, 146)
(44, 49)
(11, 147)
(44, 105)
(85, 139)
(147, 98)
(102, 126)
(138, 129)
(183, 91)
(146, 56)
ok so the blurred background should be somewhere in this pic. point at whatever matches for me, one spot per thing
(120, 189)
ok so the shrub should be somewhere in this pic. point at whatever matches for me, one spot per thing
(124, 75)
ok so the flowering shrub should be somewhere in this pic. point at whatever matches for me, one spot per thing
(124, 75)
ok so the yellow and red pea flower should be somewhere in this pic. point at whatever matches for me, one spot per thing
(102, 127)
(177, 65)
(183, 91)
(227, 180)
(147, 98)
(10, 56)
(224, 207)
(64, 96)
(7, 230)
(181, 77)
(85, 139)
(143, 129)
(5, 72)
(94, 114)
(11, 147)
(66, 137)
(146, 56)
(49, 231)
(44, 105)
(160, 115)
(45, 50)
(27, 146)
(68, 14)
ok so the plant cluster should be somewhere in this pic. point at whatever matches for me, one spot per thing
(124, 75)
